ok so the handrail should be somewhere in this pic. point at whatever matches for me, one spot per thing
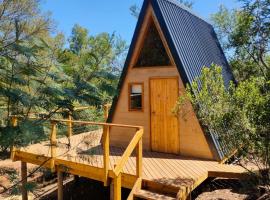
(130, 148)
(135, 142)
(86, 122)
(137, 185)
(98, 123)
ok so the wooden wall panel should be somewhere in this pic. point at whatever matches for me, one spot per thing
(122, 115)
(192, 139)
(193, 142)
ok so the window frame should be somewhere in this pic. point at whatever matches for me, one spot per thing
(129, 96)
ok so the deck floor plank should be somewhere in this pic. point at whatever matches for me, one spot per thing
(164, 165)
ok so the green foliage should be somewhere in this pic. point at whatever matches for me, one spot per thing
(92, 64)
(134, 10)
(91, 114)
(239, 115)
(187, 3)
(27, 131)
(78, 39)
(38, 74)
(245, 34)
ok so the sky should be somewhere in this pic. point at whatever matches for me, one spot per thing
(112, 15)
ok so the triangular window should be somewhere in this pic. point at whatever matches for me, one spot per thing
(153, 52)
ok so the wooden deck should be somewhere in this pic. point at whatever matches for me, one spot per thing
(83, 154)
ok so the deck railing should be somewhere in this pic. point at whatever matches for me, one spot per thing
(135, 143)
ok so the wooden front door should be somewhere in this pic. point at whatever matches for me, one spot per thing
(164, 124)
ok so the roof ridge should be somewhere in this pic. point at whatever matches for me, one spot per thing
(177, 3)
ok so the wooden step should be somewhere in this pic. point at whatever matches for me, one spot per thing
(146, 194)
(156, 187)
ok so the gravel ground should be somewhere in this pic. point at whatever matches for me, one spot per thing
(223, 194)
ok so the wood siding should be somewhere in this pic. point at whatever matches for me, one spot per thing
(192, 139)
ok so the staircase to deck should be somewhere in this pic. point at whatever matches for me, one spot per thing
(156, 191)
(144, 189)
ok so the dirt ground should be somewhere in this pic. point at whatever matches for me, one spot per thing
(9, 175)
(225, 189)
(223, 194)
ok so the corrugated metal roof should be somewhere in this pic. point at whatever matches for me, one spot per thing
(193, 38)
(193, 44)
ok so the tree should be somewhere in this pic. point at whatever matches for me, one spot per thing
(28, 75)
(92, 64)
(135, 9)
(239, 115)
(245, 34)
(78, 39)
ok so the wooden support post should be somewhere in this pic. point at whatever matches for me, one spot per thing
(69, 125)
(24, 180)
(106, 153)
(139, 159)
(60, 185)
(14, 123)
(53, 144)
(117, 187)
(111, 190)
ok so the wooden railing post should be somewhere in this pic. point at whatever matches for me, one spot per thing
(14, 123)
(117, 187)
(106, 153)
(60, 185)
(53, 144)
(69, 125)
(139, 159)
(24, 180)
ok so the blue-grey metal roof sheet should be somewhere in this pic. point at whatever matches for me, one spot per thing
(195, 41)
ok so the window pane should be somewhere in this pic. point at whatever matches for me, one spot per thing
(153, 52)
(136, 89)
(136, 97)
(136, 102)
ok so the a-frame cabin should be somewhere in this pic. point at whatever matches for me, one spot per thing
(168, 50)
